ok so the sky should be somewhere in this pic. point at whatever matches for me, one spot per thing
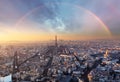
(35, 20)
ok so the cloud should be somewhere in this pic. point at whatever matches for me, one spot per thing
(60, 16)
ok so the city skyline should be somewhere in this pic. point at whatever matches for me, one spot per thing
(39, 20)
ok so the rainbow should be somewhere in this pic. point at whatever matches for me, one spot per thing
(105, 27)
